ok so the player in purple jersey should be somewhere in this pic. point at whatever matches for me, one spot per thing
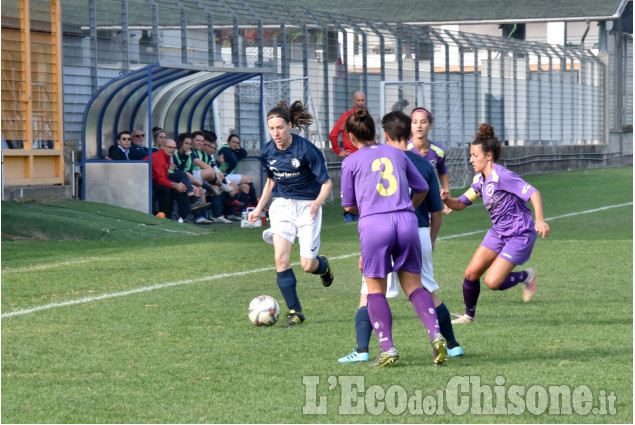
(375, 182)
(422, 122)
(299, 183)
(511, 239)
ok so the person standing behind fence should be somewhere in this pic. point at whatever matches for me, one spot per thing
(435, 153)
(375, 184)
(299, 182)
(511, 239)
(359, 101)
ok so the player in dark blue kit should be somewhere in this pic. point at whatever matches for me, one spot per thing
(298, 183)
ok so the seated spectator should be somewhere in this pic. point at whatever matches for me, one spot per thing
(169, 187)
(230, 154)
(120, 151)
(138, 149)
(165, 190)
(182, 161)
(159, 136)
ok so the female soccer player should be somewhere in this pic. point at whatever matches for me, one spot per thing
(422, 122)
(375, 185)
(298, 180)
(511, 239)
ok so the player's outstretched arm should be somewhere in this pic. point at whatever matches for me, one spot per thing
(541, 225)
(453, 203)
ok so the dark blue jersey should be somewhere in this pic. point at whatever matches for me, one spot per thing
(433, 202)
(299, 171)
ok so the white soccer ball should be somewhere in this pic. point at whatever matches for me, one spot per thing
(263, 311)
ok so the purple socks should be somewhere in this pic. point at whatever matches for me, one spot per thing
(381, 319)
(422, 302)
(471, 291)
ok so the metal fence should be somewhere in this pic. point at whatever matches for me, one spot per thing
(533, 93)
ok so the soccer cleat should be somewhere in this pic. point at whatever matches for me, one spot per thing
(234, 217)
(200, 204)
(455, 350)
(348, 217)
(327, 276)
(354, 357)
(463, 319)
(386, 357)
(201, 220)
(221, 219)
(439, 350)
(294, 318)
(529, 284)
(160, 214)
(212, 191)
(226, 188)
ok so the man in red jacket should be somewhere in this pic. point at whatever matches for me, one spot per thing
(166, 190)
(359, 101)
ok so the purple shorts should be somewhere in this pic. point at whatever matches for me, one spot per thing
(515, 249)
(390, 242)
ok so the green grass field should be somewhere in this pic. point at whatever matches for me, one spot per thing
(112, 316)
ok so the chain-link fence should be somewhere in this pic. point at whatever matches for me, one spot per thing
(534, 94)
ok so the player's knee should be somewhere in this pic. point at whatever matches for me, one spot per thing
(471, 274)
(307, 264)
(491, 283)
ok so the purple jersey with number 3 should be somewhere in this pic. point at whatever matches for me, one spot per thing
(505, 196)
(376, 179)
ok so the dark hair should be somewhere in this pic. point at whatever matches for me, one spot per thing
(396, 125)
(488, 141)
(121, 133)
(233, 135)
(210, 135)
(361, 125)
(197, 133)
(296, 114)
(157, 130)
(424, 110)
(182, 138)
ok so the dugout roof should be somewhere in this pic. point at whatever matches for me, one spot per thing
(177, 99)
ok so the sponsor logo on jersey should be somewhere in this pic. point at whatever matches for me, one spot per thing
(526, 188)
(273, 161)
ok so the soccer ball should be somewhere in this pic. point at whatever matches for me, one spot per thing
(263, 311)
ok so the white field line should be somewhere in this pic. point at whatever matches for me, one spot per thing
(224, 275)
(50, 266)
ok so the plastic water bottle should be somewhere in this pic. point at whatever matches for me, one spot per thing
(180, 220)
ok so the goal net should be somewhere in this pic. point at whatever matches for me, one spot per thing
(443, 100)
(289, 90)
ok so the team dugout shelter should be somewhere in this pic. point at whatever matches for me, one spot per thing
(177, 99)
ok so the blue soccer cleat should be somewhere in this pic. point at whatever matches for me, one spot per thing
(354, 357)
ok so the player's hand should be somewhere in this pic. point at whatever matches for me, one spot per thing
(254, 215)
(314, 209)
(447, 210)
(542, 228)
(445, 194)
